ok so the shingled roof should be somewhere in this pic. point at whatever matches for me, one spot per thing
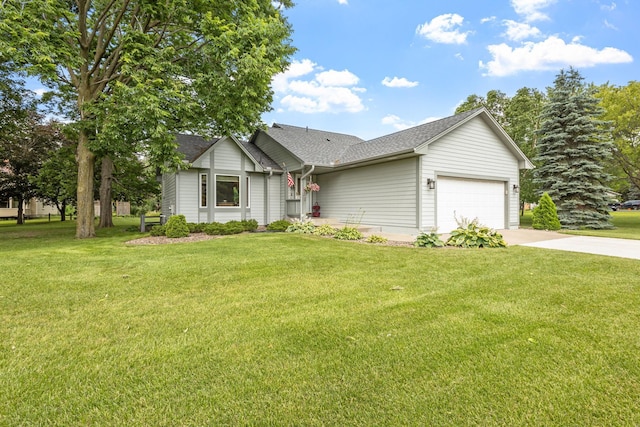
(403, 141)
(313, 146)
(194, 146)
(323, 148)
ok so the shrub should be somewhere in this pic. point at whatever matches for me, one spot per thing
(249, 224)
(376, 239)
(158, 230)
(545, 215)
(196, 227)
(348, 233)
(429, 240)
(219, 229)
(176, 227)
(473, 235)
(324, 230)
(280, 225)
(303, 227)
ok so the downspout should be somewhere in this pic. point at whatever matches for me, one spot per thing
(313, 167)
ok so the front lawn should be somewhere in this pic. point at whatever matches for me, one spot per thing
(626, 223)
(284, 329)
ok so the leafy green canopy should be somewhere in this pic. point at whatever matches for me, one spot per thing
(573, 146)
(133, 72)
(621, 106)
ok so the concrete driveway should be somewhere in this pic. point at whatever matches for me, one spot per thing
(623, 248)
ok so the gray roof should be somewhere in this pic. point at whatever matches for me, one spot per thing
(323, 148)
(403, 141)
(313, 146)
(193, 146)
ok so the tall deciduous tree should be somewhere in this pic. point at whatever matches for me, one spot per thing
(58, 177)
(523, 123)
(572, 148)
(622, 108)
(140, 70)
(23, 154)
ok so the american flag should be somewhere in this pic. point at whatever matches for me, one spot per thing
(290, 182)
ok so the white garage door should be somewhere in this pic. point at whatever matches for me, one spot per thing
(470, 199)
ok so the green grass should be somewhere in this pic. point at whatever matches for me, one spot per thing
(283, 329)
(626, 223)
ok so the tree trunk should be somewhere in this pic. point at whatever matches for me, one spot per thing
(63, 211)
(85, 226)
(106, 212)
(20, 218)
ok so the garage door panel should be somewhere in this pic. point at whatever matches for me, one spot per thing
(470, 199)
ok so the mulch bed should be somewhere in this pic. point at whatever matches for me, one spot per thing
(199, 237)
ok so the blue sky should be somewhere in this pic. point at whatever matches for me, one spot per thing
(373, 67)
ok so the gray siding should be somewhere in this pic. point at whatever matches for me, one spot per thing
(385, 193)
(276, 152)
(168, 193)
(276, 198)
(187, 203)
(471, 151)
(256, 198)
(227, 155)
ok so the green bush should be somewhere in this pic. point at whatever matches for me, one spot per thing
(545, 215)
(429, 240)
(196, 227)
(376, 239)
(302, 227)
(279, 225)
(158, 230)
(348, 233)
(176, 227)
(219, 229)
(249, 224)
(473, 235)
(324, 230)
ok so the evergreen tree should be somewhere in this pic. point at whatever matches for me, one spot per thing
(572, 149)
(545, 215)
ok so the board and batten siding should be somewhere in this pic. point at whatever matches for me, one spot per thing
(385, 194)
(256, 198)
(471, 151)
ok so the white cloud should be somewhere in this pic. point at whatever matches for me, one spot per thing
(443, 29)
(398, 82)
(459, 56)
(488, 19)
(531, 9)
(40, 91)
(337, 78)
(325, 91)
(517, 31)
(609, 7)
(400, 124)
(343, 2)
(550, 54)
(607, 24)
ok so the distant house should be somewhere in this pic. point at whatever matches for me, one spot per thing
(415, 180)
(33, 208)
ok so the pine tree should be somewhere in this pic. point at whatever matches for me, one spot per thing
(572, 150)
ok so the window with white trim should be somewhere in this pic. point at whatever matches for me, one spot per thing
(227, 190)
(203, 190)
(248, 193)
